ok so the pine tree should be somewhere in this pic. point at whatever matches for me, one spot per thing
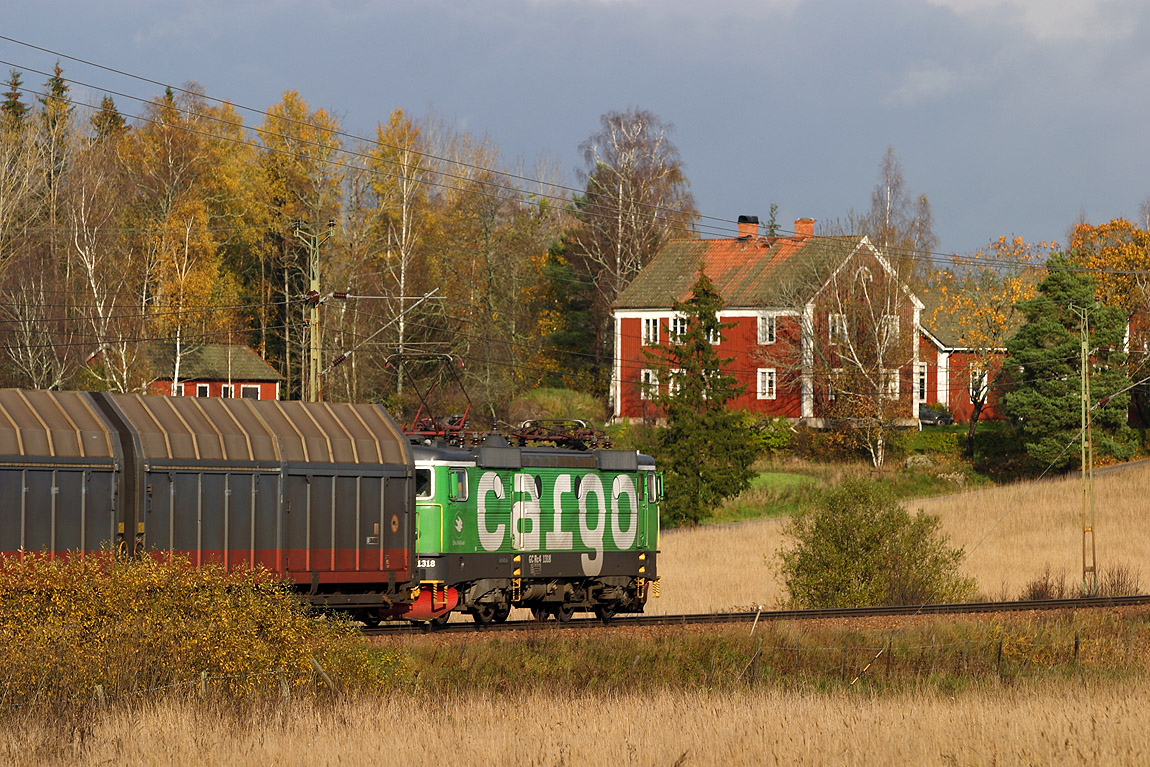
(706, 450)
(1044, 356)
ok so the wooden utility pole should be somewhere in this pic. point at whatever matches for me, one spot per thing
(312, 241)
(1089, 569)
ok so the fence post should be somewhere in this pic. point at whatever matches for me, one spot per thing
(203, 684)
(100, 699)
(323, 674)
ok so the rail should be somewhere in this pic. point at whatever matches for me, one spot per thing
(1081, 603)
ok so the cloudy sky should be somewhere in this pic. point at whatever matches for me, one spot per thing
(1012, 116)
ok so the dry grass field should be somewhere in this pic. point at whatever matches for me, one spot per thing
(1064, 723)
(1011, 536)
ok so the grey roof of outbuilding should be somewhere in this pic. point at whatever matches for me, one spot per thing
(747, 272)
(210, 362)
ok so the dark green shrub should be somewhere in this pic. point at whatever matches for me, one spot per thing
(858, 547)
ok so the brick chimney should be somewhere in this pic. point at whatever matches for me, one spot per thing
(804, 227)
(748, 226)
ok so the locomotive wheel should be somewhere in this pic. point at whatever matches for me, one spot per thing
(502, 610)
(369, 618)
(441, 621)
(606, 612)
(564, 612)
(484, 614)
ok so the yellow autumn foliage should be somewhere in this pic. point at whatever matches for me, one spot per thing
(73, 629)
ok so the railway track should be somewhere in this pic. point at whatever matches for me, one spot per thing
(1081, 603)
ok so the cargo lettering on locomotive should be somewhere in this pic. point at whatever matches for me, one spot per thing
(525, 525)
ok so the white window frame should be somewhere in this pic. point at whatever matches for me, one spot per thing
(675, 382)
(250, 387)
(832, 388)
(676, 329)
(767, 329)
(923, 381)
(715, 337)
(982, 378)
(651, 331)
(203, 390)
(227, 391)
(890, 383)
(836, 328)
(766, 383)
(648, 384)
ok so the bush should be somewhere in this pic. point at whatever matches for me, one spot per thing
(771, 435)
(859, 547)
(128, 626)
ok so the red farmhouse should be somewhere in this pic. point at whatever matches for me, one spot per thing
(786, 302)
(213, 370)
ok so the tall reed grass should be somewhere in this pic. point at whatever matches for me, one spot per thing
(994, 724)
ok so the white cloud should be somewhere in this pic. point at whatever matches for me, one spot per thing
(1054, 21)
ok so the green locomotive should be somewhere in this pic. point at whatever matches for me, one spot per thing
(556, 530)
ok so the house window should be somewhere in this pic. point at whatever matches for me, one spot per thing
(648, 384)
(834, 384)
(837, 328)
(889, 334)
(250, 391)
(890, 383)
(715, 334)
(202, 390)
(677, 329)
(766, 329)
(922, 381)
(675, 383)
(650, 331)
(767, 383)
(979, 384)
(227, 391)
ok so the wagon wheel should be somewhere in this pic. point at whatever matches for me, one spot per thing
(564, 612)
(606, 612)
(502, 610)
(540, 614)
(369, 618)
(441, 621)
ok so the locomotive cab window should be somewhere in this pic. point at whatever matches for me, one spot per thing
(423, 483)
(457, 484)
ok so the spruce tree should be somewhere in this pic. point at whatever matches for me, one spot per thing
(13, 107)
(1044, 360)
(706, 450)
(108, 121)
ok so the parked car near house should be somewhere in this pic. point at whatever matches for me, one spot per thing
(930, 417)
